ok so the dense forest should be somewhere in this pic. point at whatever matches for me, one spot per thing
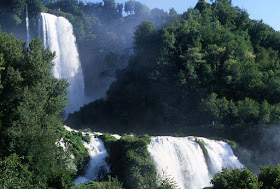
(212, 67)
(211, 71)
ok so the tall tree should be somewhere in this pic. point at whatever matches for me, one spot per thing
(31, 101)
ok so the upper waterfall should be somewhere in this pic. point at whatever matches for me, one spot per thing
(27, 26)
(58, 36)
(183, 159)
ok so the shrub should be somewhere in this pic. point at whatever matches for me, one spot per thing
(237, 178)
(270, 177)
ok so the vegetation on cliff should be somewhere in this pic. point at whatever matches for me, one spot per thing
(213, 66)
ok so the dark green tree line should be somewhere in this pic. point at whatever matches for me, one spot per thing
(243, 178)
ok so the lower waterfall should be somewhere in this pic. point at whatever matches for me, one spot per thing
(97, 166)
(183, 160)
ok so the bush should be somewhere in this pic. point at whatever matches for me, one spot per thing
(270, 177)
(14, 174)
(130, 160)
(237, 178)
(112, 183)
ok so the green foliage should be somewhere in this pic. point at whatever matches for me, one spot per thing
(13, 14)
(237, 178)
(18, 6)
(166, 182)
(130, 160)
(16, 20)
(270, 177)
(1, 68)
(158, 182)
(243, 178)
(143, 34)
(31, 101)
(109, 141)
(35, 7)
(203, 148)
(137, 8)
(112, 183)
(14, 174)
(245, 111)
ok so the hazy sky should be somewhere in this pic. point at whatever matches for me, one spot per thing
(268, 10)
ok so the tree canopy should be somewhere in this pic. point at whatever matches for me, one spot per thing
(31, 103)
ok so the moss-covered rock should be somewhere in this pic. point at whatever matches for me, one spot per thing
(130, 160)
(74, 146)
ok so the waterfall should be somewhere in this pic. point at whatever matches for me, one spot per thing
(97, 167)
(190, 161)
(220, 155)
(27, 26)
(183, 160)
(58, 36)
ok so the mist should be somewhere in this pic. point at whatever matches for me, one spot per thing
(269, 149)
(112, 45)
(262, 152)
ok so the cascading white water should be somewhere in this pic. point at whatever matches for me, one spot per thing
(183, 160)
(58, 36)
(220, 155)
(97, 166)
(27, 27)
(179, 158)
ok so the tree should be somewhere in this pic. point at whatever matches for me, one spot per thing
(1, 68)
(141, 9)
(129, 6)
(237, 178)
(14, 174)
(31, 101)
(34, 7)
(137, 8)
(270, 177)
(143, 33)
(109, 4)
(18, 7)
